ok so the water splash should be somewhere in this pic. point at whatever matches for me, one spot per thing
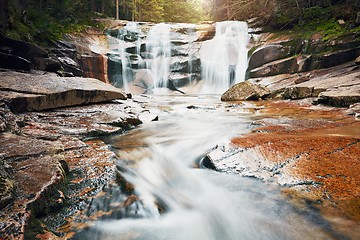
(224, 58)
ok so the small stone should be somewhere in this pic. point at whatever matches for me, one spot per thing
(357, 60)
(341, 22)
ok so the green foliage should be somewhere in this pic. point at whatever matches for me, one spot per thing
(168, 11)
(44, 23)
(182, 11)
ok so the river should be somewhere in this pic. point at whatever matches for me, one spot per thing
(161, 158)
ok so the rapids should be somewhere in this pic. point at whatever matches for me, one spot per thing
(160, 159)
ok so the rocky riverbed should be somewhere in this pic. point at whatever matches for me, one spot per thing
(54, 162)
(44, 154)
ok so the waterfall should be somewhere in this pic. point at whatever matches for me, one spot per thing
(224, 58)
(145, 58)
(159, 46)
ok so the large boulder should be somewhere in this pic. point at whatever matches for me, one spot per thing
(30, 92)
(245, 91)
(268, 53)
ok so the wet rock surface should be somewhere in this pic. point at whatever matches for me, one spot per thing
(33, 92)
(312, 151)
(50, 169)
(336, 86)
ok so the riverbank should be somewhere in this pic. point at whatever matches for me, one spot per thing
(312, 151)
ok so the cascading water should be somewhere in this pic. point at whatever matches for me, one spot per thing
(123, 49)
(172, 51)
(159, 46)
(224, 58)
(198, 204)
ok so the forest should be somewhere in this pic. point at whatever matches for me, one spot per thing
(47, 20)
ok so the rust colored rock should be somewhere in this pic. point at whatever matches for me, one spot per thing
(95, 66)
(314, 151)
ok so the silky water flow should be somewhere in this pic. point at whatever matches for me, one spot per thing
(177, 200)
(196, 203)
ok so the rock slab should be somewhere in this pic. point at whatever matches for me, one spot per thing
(29, 92)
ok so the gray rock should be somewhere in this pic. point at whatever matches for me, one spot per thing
(340, 97)
(29, 92)
(297, 92)
(331, 59)
(245, 91)
(287, 65)
(268, 53)
(47, 64)
(354, 110)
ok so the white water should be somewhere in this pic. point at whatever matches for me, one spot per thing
(159, 46)
(200, 204)
(224, 58)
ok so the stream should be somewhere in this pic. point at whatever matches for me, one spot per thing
(161, 158)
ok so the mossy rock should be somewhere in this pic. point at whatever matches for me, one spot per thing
(7, 187)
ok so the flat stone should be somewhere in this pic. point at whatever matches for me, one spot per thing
(19, 147)
(35, 180)
(29, 92)
(341, 97)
